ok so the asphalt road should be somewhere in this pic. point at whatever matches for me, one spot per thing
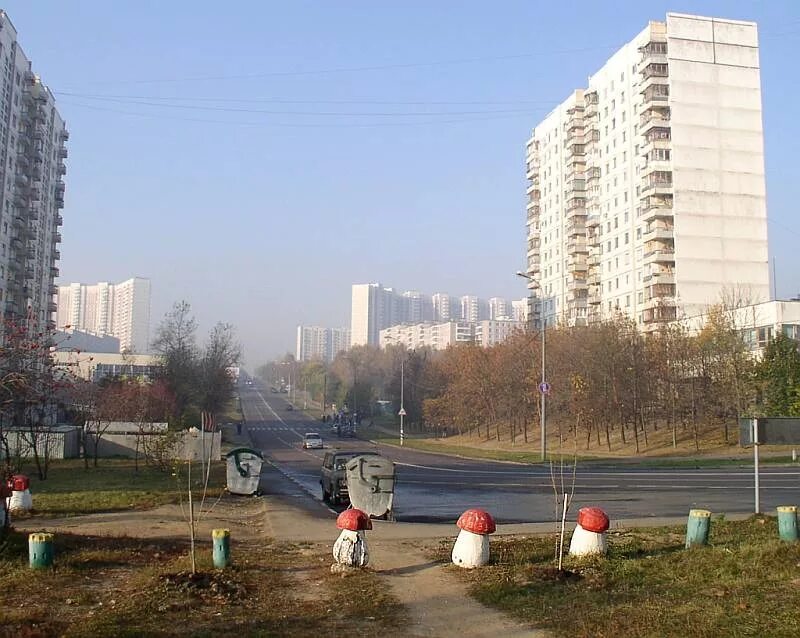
(437, 488)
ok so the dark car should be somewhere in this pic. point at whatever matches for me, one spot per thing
(290, 407)
(333, 476)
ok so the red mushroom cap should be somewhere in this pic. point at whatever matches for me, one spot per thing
(476, 521)
(593, 519)
(353, 520)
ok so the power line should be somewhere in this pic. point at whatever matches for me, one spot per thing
(228, 109)
(274, 100)
(159, 116)
(358, 69)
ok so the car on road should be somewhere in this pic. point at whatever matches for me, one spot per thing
(290, 407)
(333, 475)
(312, 441)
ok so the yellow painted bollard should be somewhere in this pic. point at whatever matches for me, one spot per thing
(787, 523)
(697, 528)
(40, 551)
(222, 547)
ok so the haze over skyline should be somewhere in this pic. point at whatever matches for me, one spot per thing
(259, 162)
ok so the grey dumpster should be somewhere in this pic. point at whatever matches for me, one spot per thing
(244, 470)
(370, 483)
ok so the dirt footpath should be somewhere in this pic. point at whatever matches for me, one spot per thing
(436, 599)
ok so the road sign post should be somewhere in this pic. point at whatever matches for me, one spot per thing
(755, 465)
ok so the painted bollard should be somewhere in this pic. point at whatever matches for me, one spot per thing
(787, 523)
(222, 547)
(697, 528)
(40, 550)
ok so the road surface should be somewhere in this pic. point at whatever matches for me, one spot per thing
(438, 488)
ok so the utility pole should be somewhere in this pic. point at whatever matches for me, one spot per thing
(324, 393)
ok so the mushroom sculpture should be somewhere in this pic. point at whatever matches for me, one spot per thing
(589, 536)
(350, 549)
(20, 499)
(472, 545)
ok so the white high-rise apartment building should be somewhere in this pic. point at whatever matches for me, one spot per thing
(473, 309)
(442, 307)
(32, 137)
(519, 310)
(646, 189)
(121, 310)
(499, 307)
(373, 308)
(323, 344)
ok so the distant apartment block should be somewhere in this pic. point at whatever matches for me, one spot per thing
(32, 143)
(322, 344)
(473, 309)
(490, 332)
(439, 336)
(433, 335)
(442, 307)
(499, 307)
(519, 310)
(121, 310)
(646, 190)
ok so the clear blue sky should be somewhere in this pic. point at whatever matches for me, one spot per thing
(312, 145)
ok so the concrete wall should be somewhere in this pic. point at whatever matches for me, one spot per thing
(187, 445)
(60, 442)
(718, 160)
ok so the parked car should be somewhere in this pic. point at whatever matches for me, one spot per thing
(333, 475)
(312, 440)
(290, 407)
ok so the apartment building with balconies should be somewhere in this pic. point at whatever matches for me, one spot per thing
(32, 151)
(646, 190)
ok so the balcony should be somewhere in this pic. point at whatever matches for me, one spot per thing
(576, 284)
(594, 259)
(577, 262)
(52, 307)
(58, 220)
(575, 149)
(660, 314)
(655, 93)
(595, 296)
(64, 135)
(56, 255)
(63, 153)
(62, 168)
(575, 227)
(659, 232)
(56, 238)
(660, 277)
(577, 245)
(658, 115)
(54, 271)
(660, 256)
(657, 183)
(653, 52)
(593, 279)
(533, 185)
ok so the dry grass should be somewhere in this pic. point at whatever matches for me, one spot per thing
(104, 586)
(746, 583)
(115, 485)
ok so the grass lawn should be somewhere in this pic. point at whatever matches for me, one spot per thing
(418, 442)
(745, 583)
(72, 490)
(107, 586)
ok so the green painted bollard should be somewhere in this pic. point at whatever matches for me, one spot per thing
(222, 547)
(697, 528)
(40, 550)
(787, 523)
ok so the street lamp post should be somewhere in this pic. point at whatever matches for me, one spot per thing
(402, 387)
(543, 387)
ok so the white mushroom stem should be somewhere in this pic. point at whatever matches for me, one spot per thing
(471, 550)
(20, 500)
(350, 549)
(585, 543)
